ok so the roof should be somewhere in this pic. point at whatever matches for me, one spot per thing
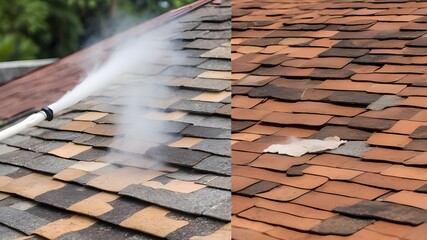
(72, 178)
(316, 69)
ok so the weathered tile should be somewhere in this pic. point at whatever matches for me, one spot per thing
(205, 132)
(385, 211)
(281, 93)
(183, 157)
(341, 225)
(9, 233)
(259, 187)
(69, 150)
(18, 158)
(94, 205)
(146, 221)
(101, 231)
(7, 169)
(196, 106)
(48, 164)
(221, 165)
(200, 226)
(121, 178)
(32, 185)
(23, 221)
(370, 123)
(352, 148)
(55, 229)
(342, 132)
(196, 202)
(65, 196)
(356, 98)
(219, 147)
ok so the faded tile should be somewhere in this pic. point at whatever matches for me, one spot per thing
(69, 150)
(94, 205)
(21, 220)
(90, 116)
(386, 211)
(341, 225)
(32, 185)
(147, 220)
(119, 179)
(55, 229)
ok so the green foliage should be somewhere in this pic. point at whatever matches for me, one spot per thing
(56, 28)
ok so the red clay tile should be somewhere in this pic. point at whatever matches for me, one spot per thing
(377, 77)
(328, 62)
(388, 182)
(389, 155)
(245, 137)
(344, 85)
(242, 233)
(404, 127)
(389, 140)
(297, 119)
(306, 181)
(251, 80)
(283, 193)
(295, 132)
(394, 113)
(420, 160)
(262, 129)
(351, 190)
(386, 88)
(248, 114)
(315, 94)
(326, 108)
(413, 91)
(275, 105)
(256, 226)
(389, 228)
(325, 201)
(420, 116)
(414, 199)
(241, 203)
(365, 234)
(243, 157)
(345, 162)
(415, 102)
(278, 218)
(361, 68)
(294, 209)
(417, 233)
(406, 172)
(332, 173)
(307, 52)
(280, 232)
(240, 183)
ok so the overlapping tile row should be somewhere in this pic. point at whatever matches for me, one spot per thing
(76, 177)
(316, 69)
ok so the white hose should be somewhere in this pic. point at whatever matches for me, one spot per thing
(30, 121)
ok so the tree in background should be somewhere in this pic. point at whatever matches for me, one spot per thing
(56, 28)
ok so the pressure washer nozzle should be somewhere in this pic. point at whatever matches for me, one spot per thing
(49, 113)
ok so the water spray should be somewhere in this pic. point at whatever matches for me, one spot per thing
(124, 59)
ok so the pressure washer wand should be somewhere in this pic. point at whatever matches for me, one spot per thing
(31, 121)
